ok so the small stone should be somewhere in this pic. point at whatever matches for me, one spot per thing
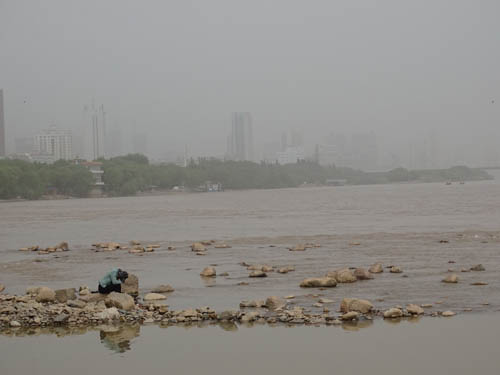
(198, 246)
(274, 302)
(61, 318)
(208, 272)
(45, 295)
(352, 304)
(154, 297)
(448, 313)
(290, 297)
(14, 323)
(426, 305)
(257, 274)
(351, 315)
(376, 268)
(2, 288)
(225, 274)
(393, 313)
(222, 246)
(478, 283)
(362, 274)
(414, 309)
(111, 313)
(297, 248)
(63, 295)
(163, 289)
(478, 267)
(76, 303)
(318, 282)
(395, 269)
(325, 300)
(450, 279)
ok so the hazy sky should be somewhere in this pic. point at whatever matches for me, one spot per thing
(176, 69)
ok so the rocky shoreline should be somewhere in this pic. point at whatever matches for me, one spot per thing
(43, 307)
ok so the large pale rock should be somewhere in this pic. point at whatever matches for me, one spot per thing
(120, 300)
(344, 275)
(414, 309)
(453, 279)
(45, 295)
(63, 295)
(208, 272)
(198, 246)
(154, 297)
(319, 282)
(131, 285)
(376, 268)
(163, 289)
(362, 274)
(352, 304)
(274, 302)
(393, 313)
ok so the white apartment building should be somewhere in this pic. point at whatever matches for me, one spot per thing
(54, 142)
(290, 155)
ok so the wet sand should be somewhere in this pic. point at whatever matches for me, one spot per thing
(459, 345)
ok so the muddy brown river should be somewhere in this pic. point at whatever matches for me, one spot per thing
(460, 345)
(429, 230)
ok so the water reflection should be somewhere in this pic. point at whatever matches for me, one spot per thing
(356, 325)
(118, 338)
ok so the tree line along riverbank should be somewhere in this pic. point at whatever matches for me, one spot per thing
(131, 174)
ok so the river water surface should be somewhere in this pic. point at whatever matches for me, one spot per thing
(429, 230)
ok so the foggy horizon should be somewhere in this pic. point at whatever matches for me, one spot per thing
(175, 71)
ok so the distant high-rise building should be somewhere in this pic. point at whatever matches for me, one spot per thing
(240, 142)
(2, 127)
(54, 143)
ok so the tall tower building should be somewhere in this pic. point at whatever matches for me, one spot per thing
(2, 127)
(240, 141)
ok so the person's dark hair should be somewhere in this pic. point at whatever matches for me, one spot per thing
(121, 275)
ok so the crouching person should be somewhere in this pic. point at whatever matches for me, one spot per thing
(112, 281)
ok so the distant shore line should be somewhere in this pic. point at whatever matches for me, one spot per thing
(163, 192)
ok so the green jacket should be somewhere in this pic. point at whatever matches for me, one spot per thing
(110, 278)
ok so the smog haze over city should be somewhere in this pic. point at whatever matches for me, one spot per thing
(422, 77)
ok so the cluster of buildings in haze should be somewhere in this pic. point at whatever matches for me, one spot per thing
(94, 139)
